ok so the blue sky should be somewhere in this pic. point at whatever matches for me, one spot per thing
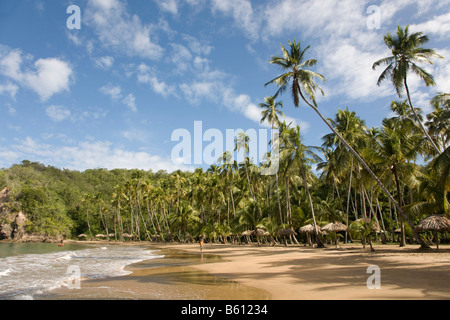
(111, 94)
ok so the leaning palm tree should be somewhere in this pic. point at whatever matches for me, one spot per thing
(302, 82)
(407, 51)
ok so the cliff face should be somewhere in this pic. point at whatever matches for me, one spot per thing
(12, 224)
(6, 217)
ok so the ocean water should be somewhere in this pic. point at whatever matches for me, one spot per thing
(28, 270)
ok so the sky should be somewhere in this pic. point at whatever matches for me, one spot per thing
(112, 93)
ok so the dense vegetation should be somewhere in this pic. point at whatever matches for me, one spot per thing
(390, 176)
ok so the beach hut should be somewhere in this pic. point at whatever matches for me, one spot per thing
(82, 236)
(101, 236)
(335, 228)
(435, 224)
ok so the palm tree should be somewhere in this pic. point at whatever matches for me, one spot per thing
(86, 201)
(302, 82)
(352, 129)
(227, 170)
(271, 114)
(407, 51)
(242, 142)
(396, 146)
(100, 202)
(439, 120)
(295, 154)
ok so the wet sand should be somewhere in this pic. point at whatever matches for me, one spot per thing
(170, 278)
(226, 272)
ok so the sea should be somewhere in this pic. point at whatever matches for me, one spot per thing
(28, 270)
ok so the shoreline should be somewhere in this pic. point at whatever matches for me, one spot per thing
(287, 273)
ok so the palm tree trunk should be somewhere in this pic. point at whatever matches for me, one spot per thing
(418, 120)
(316, 231)
(400, 201)
(348, 199)
(89, 226)
(276, 180)
(364, 164)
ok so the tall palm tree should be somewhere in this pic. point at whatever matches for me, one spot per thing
(296, 154)
(353, 130)
(272, 114)
(407, 51)
(302, 82)
(439, 120)
(396, 146)
(242, 142)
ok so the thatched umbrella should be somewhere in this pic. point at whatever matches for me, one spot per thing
(309, 229)
(82, 236)
(286, 233)
(259, 233)
(335, 228)
(434, 223)
(101, 236)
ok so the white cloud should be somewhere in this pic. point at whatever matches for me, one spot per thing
(114, 92)
(58, 113)
(119, 30)
(146, 75)
(49, 77)
(85, 155)
(242, 12)
(10, 89)
(104, 63)
(439, 25)
(130, 102)
(52, 76)
(170, 6)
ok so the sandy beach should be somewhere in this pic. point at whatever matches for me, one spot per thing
(229, 272)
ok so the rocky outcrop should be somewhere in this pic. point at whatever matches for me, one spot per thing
(12, 224)
(5, 216)
(19, 226)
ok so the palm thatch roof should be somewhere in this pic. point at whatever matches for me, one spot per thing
(100, 236)
(286, 232)
(82, 236)
(439, 223)
(335, 227)
(259, 232)
(126, 235)
(247, 233)
(308, 229)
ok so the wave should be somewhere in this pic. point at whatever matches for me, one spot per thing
(28, 275)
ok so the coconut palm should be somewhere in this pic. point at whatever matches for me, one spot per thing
(302, 84)
(353, 130)
(272, 114)
(295, 154)
(242, 142)
(438, 122)
(407, 51)
(395, 147)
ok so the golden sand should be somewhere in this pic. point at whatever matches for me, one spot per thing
(228, 272)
